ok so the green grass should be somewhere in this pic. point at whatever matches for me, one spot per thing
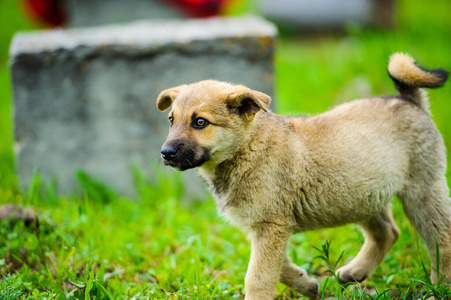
(155, 246)
(12, 21)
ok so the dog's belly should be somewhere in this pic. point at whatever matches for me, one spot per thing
(308, 209)
(332, 210)
(352, 195)
(351, 189)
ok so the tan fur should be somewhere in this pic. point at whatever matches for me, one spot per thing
(404, 67)
(275, 176)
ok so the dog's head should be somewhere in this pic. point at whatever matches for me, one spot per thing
(207, 121)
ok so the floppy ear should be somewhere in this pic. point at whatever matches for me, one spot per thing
(166, 97)
(247, 102)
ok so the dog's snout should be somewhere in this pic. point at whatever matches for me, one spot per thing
(169, 153)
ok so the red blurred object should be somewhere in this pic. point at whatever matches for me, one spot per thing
(199, 8)
(49, 12)
(52, 12)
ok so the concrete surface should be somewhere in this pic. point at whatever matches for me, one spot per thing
(85, 98)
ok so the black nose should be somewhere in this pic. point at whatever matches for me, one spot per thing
(169, 153)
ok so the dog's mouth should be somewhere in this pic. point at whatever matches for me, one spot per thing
(187, 159)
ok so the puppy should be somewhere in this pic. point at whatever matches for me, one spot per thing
(275, 176)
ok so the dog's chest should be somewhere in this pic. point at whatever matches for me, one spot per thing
(234, 201)
(239, 209)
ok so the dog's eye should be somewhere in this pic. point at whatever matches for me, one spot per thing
(200, 123)
(171, 120)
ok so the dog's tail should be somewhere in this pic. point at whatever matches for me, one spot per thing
(410, 78)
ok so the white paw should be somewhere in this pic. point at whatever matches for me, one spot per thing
(351, 274)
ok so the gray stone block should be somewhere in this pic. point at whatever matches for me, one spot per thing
(85, 98)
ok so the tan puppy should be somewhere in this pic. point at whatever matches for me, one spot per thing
(275, 176)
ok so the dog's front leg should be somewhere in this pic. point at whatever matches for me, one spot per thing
(269, 242)
(298, 280)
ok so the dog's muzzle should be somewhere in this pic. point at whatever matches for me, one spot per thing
(169, 153)
(183, 156)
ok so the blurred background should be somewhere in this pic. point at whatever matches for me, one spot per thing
(153, 245)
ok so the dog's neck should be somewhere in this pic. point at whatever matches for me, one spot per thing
(217, 175)
(224, 179)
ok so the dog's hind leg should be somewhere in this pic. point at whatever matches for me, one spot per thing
(380, 234)
(427, 205)
(297, 279)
